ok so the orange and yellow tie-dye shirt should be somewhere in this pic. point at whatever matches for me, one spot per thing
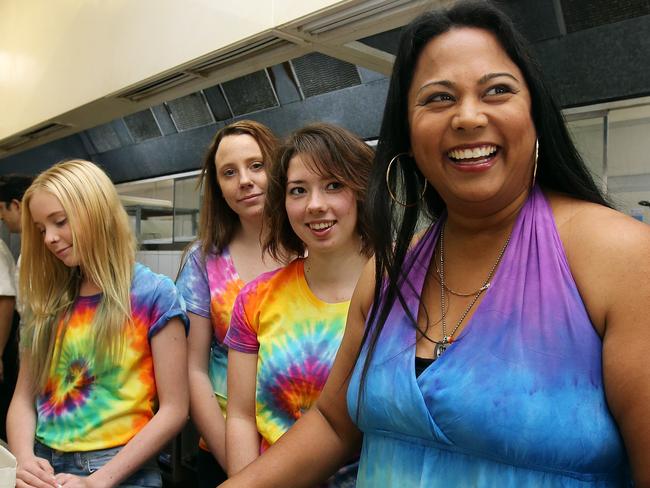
(296, 337)
(85, 407)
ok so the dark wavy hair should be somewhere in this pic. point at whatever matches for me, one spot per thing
(13, 187)
(327, 150)
(560, 167)
(218, 222)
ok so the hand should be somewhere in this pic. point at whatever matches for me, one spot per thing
(35, 472)
(66, 480)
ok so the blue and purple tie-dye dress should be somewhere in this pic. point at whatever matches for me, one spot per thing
(517, 400)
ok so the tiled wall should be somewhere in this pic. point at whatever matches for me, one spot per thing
(163, 262)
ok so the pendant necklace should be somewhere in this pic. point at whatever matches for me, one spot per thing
(441, 346)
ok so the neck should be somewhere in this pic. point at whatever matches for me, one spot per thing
(463, 224)
(335, 269)
(249, 230)
(88, 287)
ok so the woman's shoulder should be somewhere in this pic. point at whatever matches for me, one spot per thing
(607, 252)
(590, 227)
(270, 280)
(145, 279)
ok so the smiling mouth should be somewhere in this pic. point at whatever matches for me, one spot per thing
(61, 251)
(321, 225)
(472, 155)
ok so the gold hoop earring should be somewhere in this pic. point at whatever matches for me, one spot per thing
(390, 192)
(535, 165)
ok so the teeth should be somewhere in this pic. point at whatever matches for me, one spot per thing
(476, 152)
(321, 225)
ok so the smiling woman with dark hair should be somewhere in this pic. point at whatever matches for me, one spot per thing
(287, 325)
(507, 344)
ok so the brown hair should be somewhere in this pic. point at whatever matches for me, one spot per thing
(218, 221)
(330, 150)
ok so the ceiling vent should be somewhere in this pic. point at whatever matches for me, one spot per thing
(365, 11)
(104, 138)
(204, 66)
(37, 133)
(190, 112)
(45, 130)
(12, 143)
(318, 73)
(157, 86)
(253, 48)
(142, 126)
(250, 93)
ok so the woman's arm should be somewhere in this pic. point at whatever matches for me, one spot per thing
(325, 438)
(242, 438)
(204, 407)
(169, 350)
(32, 471)
(609, 255)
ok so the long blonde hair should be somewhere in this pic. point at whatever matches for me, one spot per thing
(105, 246)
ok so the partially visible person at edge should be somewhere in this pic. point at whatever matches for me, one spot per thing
(8, 333)
(508, 345)
(97, 396)
(12, 189)
(227, 254)
(287, 325)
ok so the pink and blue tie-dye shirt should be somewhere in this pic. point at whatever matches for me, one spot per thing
(296, 337)
(86, 407)
(209, 286)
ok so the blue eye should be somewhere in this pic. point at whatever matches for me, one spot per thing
(228, 172)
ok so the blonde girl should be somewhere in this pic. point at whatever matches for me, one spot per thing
(97, 394)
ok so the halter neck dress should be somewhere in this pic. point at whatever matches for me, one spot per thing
(517, 400)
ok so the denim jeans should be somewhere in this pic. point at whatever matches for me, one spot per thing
(86, 463)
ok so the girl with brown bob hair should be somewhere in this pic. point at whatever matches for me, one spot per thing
(287, 325)
(226, 255)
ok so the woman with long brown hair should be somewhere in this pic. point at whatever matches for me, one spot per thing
(227, 254)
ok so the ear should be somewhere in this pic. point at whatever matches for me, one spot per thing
(16, 202)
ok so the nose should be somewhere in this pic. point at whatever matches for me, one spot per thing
(469, 116)
(245, 179)
(51, 237)
(316, 203)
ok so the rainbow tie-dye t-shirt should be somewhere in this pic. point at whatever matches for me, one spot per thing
(85, 407)
(210, 286)
(295, 336)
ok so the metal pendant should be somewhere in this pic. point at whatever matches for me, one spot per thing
(440, 348)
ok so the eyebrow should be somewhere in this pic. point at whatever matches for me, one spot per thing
(481, 81)
(485, 78)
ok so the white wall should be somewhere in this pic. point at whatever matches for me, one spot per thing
(163, 262)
